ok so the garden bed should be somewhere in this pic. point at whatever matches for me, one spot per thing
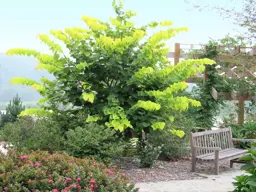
(166, 171)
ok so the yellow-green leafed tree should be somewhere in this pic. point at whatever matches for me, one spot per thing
(114, 72)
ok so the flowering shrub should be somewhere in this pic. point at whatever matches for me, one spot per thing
(41, 171)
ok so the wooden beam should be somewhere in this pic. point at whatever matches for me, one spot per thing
(241, 111)
(230, 96)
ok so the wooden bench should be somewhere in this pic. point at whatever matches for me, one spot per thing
(215, 145)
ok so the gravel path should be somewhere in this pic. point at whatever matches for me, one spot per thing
(214, 183)
(168, 171)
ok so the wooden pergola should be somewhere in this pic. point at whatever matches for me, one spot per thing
(240, 64)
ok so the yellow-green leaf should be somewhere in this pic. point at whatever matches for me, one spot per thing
(166, 23)
(179, 133)
(89, 97)
(35, 112)
(23, 81)
(158, 125)
(147, 105)
(171, 118)
(92, 118)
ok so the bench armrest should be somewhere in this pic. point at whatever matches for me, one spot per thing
(244, 140)
(209, 148)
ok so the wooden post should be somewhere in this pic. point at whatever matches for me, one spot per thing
(241, 111)
(193, 150)
(177, 53)
(143, 135)
(134, 135)
(217, 170)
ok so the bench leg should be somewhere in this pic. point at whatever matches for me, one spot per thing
(231, 164)
(217, 170)
(217, 163)
(193, 164)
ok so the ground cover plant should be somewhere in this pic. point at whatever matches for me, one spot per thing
(41, 171)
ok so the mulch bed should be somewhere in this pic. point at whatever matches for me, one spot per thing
(167, 170)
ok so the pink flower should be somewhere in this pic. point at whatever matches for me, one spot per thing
(138, 188)
(37, 164)
(30, 162)
(110, 172)
(92, 181)
(50, 181)
(78, 179)
(73, 185)
(66, 189)
(55, 190)
(29, 181)
(68, 179)
(91, 187)
(23, 157)
(6, 188)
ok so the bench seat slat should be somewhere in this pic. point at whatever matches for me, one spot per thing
(211, 153)
(226, 153)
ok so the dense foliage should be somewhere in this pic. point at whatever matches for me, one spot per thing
(245, 85)
(27, 134)
(91, 140)
(114, 73)
(12, 111)
(246, 182)
(148, 153)
(173, 147)
(95, 141)
(245, 131)
(204, 116)
(41, 171)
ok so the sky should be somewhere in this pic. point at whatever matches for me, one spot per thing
(22, 20)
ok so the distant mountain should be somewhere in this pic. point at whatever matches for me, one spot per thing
(16, 66)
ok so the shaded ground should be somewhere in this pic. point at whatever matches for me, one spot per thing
(167, 171)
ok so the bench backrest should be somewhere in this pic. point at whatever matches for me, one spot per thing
(214, 138)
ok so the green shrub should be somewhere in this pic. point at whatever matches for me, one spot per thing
(93, 140)
(246, 182)
(130, 149)
(173, 146)
(41, 171)
(245, 131)
(249, 130)
(29, 134)
(12, 111)
(148, 153)
(69, 120)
